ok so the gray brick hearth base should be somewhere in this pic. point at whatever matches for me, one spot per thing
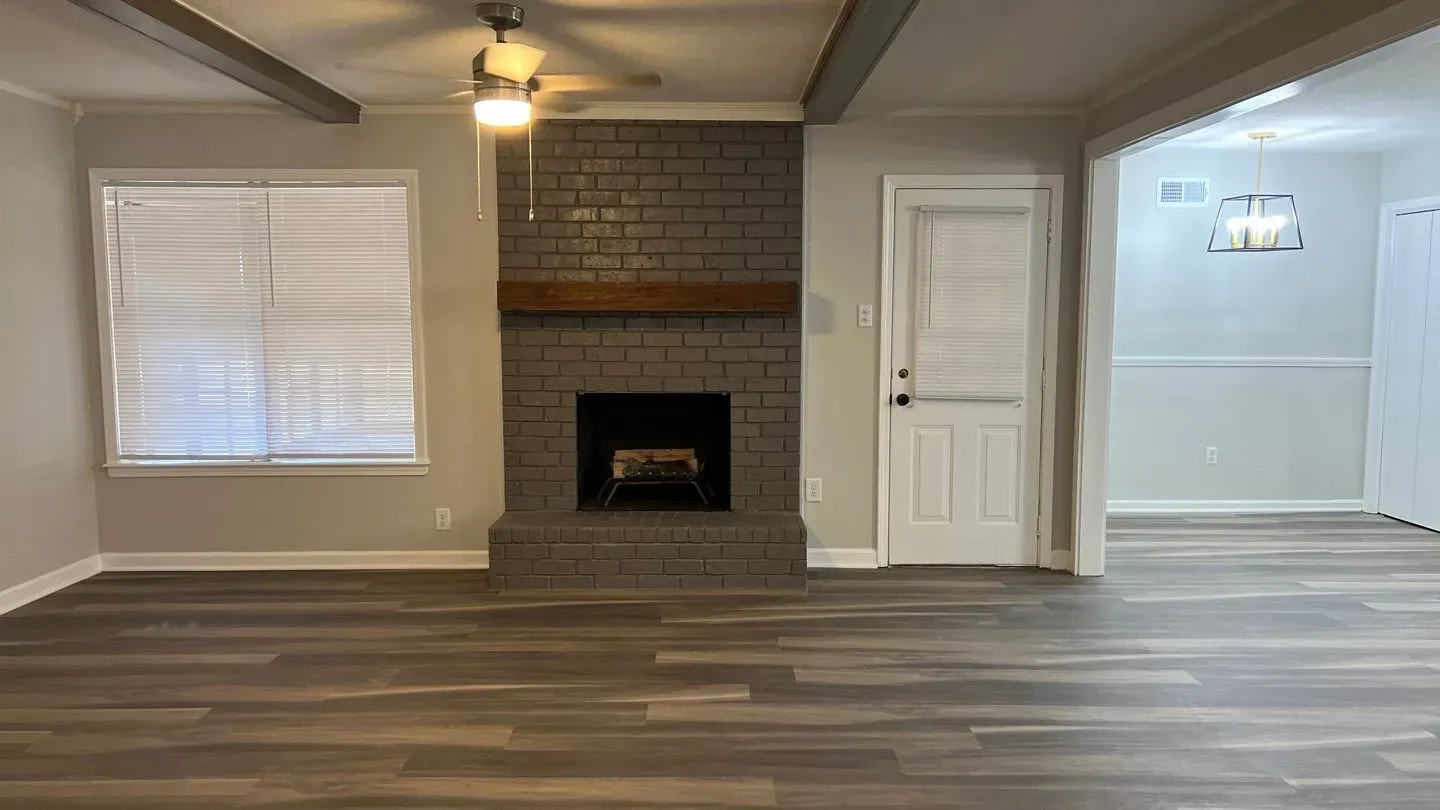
(647, 550)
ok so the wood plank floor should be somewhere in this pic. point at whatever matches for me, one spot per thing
(1241, 663)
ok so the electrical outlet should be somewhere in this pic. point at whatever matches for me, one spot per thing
(442, 519)
(1212, 456)
(865, 316)
(812, 489)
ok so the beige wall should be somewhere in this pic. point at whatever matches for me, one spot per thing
(460, 334)
(845, 165)
(47, 496)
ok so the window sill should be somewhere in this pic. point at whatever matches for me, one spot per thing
(186, 469)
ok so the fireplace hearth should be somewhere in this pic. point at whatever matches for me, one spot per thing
(653, 451)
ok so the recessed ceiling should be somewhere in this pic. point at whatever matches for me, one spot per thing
(707, 51)
(1390, 104)
(1034, 53)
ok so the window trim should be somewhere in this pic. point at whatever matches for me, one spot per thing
(114, 466)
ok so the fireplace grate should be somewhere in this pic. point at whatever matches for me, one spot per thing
(667, 467)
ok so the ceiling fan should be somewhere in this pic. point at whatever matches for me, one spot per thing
(503, 75)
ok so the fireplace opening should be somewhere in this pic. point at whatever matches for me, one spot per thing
(653, 451)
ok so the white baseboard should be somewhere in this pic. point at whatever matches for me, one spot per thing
(1228, 507)
(842, 558)
(26, 592)
(296, 560)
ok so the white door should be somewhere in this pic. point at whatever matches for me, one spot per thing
(1410, 424)
(965, 375)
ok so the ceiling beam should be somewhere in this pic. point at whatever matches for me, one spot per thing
(861, 36)
(178, 27)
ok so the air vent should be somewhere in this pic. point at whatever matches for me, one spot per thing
(1183, 192)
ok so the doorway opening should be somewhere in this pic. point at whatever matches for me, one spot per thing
(1235, 381)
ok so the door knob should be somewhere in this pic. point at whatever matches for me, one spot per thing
(902, 400)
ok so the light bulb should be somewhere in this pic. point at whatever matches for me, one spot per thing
(1236, 226)
(502, 112)
(1255, 231)
(1270, 230)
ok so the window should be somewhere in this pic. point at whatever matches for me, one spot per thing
(259, 326)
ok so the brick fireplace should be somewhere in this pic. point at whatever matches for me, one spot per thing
(699, 205)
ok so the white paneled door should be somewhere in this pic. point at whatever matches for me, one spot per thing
(1410, 423)
(966, 375)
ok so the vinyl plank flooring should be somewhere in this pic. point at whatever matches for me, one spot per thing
(1245, 663)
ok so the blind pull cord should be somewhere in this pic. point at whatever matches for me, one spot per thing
(119, 251)
(269, 250)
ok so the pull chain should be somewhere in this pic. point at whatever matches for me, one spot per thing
(530, 153)
(479, 174)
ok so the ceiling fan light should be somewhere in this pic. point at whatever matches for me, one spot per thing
(498, 112)
(502, 106)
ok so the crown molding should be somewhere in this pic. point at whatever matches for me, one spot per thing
(622, 111)
(34, 95)
(614, 111)
(1052, 111)
(170, 108)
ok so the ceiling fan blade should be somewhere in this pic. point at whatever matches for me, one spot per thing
(552, 106)
(585, 82)
(511, 60)
(461, 94)
(406, 73)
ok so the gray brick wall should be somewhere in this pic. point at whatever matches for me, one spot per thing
(545, 360)
(652, 201)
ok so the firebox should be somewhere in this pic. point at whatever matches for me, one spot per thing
(653, 451)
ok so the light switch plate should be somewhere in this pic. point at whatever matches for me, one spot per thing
(865, 316)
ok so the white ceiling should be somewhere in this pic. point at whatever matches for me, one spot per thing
(1034, 53)
(62, 50)
(1390, 104)
(707, 51)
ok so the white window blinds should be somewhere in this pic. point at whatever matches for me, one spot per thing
(260, 321)
(970, 314)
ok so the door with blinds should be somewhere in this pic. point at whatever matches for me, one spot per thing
(965, 375)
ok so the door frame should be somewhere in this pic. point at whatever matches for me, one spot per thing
(891, 185)
(1375, 419)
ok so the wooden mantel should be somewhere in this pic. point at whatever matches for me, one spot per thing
(634, 297)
